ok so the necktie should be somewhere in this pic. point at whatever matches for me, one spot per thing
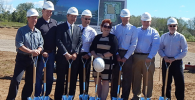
(82, 30)
(71, 31)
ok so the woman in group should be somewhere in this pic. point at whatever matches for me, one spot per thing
(104, 45)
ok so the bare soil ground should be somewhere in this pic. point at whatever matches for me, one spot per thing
(7, 62)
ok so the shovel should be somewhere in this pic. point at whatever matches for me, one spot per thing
(83, 96)
(119, 81)
(44, 97)
(166, 79)
(96, 86)
(146, 87)
(32, 97)
(67, 96)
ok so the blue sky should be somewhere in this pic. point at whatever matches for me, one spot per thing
(157, 8)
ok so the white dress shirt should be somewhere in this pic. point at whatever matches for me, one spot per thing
(87, 37)
(127, 38)
(174, 45)
(148, 41)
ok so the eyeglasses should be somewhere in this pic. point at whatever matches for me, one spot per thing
(87, 18)
(109, 27)
(172, 25)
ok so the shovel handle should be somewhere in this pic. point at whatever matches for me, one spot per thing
(119, 78)
(166, 78)
(96, 94)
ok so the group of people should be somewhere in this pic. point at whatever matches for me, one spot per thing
(135, 47)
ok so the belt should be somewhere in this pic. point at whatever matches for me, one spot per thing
(141, 53)
(24, 55)
(48, 51)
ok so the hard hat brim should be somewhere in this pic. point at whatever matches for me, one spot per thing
(146, 19)
(50, 9)
(124, 16)
(32, 15)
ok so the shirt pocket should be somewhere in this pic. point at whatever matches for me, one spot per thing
(127, 38)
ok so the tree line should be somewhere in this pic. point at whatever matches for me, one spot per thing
(187, 28)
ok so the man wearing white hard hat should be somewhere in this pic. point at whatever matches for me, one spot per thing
(127, 38)
(48, 27)
(68, 41)
(29, 44)
(88, 34)
(145, 51)
(173, 48)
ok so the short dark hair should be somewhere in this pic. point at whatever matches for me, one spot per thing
(106, 21)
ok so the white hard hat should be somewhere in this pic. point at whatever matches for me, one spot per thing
(171, 21)
(72, 11)
(98, 64)
(32, 12)
(125, 13)
(48, 5)
(146, 17)
(86, 13)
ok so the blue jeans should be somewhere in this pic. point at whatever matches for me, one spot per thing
(49, 75)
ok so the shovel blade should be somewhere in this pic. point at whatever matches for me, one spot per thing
(93, 98)
(83, 97)
(35, 98)
(115, 98)
(162, 98)
(142, 98)
(64, 97)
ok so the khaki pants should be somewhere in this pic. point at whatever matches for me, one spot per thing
(139, 70)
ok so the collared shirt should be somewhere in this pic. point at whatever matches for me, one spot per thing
(70, 27)
(87, 37)
(148, 41)
(173, 45)
(28, 38)
(127, 37)
(48, 31)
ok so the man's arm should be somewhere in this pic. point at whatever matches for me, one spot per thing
(132, 45)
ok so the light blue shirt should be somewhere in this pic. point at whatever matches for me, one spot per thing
(28, 38)
(173, 45)
(127, 38)
(87, 37)
(148, 41)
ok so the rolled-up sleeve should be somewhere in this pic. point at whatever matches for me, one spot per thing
(19, 40)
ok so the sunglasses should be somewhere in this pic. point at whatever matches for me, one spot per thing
(109, 27)
(87, 18)
(172, 25)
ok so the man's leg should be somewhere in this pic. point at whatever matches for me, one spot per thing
(39, 77)
(168, 90)
(127, 77)
(28, 86)
(73, 77)
(137, 75)
(114, 80)
(179, 80)
(18, 73)
(150, 77)
(61, 70)
(49, 73)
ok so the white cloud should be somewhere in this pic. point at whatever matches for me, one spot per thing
(185, 19)
(182, 6)
(39, 4)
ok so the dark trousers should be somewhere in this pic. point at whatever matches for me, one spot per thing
(127, 77)
(87, 75)
(49, 75)
(23, 63)
(175, 71)
(62, 70)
